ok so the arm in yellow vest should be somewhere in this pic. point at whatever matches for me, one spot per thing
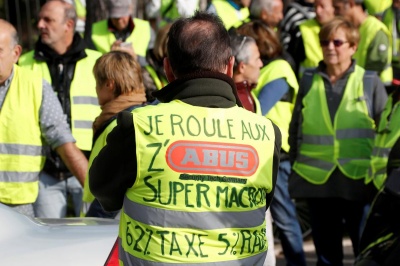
(74, 159)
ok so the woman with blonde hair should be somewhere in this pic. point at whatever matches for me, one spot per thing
(119, 87)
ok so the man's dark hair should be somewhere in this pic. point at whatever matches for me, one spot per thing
(200, 42)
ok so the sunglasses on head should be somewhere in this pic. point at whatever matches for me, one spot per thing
(336, 43)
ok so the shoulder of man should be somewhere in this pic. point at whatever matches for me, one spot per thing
(26, 58)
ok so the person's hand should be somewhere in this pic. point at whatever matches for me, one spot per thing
(127, 47)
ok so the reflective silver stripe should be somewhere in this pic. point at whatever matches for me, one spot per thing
(379, 172)
(315, 162)
(129, 260)
(83, 124)
(85, 100)
(381, 152)
(21, 149)
(355, 133)
(318, 140)
(8, 176)
(198, 220)
(344, 161)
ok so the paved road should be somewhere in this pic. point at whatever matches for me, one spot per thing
(310, 253)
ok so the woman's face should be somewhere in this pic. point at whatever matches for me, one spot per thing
(337, 50)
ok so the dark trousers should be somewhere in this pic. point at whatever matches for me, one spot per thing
(330, 218)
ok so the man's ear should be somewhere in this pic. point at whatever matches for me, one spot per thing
(70, 24)
(229, 67)
(240, 67)
(17, 50)
(168, 71)
(263, 15)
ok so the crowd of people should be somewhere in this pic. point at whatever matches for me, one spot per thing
(200, 127)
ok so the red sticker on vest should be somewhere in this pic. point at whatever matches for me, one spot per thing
(212, 158)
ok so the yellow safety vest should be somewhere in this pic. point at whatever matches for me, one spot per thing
(169, 12)
(310, 33)
(80, 9)
(281, 112)
(368, 30)
(21, 157)
(345, 142)
(229, 15)
(83, 97)
(389, 20)
(159, 82)
(388, 133)
(100, 142)
(199, 194)
(140, 37)
(376, 7)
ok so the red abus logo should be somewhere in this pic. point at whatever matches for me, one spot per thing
(212, 158)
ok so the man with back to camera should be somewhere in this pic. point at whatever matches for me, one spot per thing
(61, 58)
(37, 112)
(196, 171)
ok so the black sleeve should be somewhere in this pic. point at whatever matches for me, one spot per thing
(295, 123)
(296, 49)
(380, 99)
(113, 171)
(275, 164)
(394, 159)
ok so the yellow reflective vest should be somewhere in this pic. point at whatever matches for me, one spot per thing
(388, 133)
(345, 142)
(368, 30)
(83, 97)
(310, 33)
(376, 7)
(229, 15)
(100, 142)
(80, 9)
(389, 20)
(159, 82)
(169, 12)
(140, 37)
(200, 190)
(21, 157)
(281, 112)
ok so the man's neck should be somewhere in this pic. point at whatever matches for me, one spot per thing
(62, 47)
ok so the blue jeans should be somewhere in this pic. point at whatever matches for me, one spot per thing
(283, 212)
(53, 194)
